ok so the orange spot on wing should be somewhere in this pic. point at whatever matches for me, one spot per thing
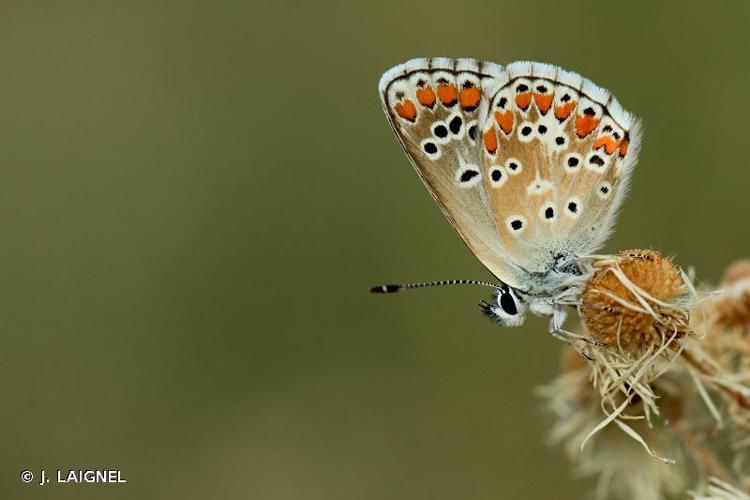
(543, 102)
(505, 120)
(490, 141)
(406, 110)
(610, 145)
(523, 100)
(447, 93)
(469, 98)
(624, 147)
(585, 124)
(426, 97)
(562, 112)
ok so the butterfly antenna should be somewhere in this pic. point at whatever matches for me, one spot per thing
(406, 286)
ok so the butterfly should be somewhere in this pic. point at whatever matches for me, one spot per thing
(529, 162)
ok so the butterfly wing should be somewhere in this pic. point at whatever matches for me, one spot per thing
(557, 155)
(437, 108)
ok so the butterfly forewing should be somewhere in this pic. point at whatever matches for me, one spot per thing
(437, 108)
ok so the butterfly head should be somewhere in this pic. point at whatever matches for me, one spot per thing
(508, 307)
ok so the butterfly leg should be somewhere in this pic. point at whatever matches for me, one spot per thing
(579, 338)
(558, 318)
(569, 341)
(557, 331)
(568, 297)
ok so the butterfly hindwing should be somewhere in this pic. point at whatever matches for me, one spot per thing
(437, 108)
(557, 152)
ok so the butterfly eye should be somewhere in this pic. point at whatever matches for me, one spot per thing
(506, 302)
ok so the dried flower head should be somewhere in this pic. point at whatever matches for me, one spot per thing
(732, 307)
(635, 300)
(668, 373)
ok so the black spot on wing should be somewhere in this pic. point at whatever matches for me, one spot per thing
(597, 160)
(455, 124)
(468, 175)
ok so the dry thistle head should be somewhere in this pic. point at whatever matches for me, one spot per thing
(726, 351)
(614, 458)
(669, 379)
(737, 271)
(635, 301)
(732, 308)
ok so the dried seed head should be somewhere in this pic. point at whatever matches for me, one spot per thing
(732, 308)
(613, 457)
(669, 379)
(727, 344)
(737, 271)
(635, 300)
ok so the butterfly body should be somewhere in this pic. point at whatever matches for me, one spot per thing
(528, 162)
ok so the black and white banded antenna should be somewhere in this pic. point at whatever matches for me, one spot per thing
(424, 284)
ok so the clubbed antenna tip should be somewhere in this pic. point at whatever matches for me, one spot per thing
(386, 289)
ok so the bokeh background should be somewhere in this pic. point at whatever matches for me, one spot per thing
(195, 197)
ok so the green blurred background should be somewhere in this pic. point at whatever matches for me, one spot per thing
(195, 197)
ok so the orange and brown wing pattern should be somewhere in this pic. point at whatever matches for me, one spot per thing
(557, 154)
(436, 108)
